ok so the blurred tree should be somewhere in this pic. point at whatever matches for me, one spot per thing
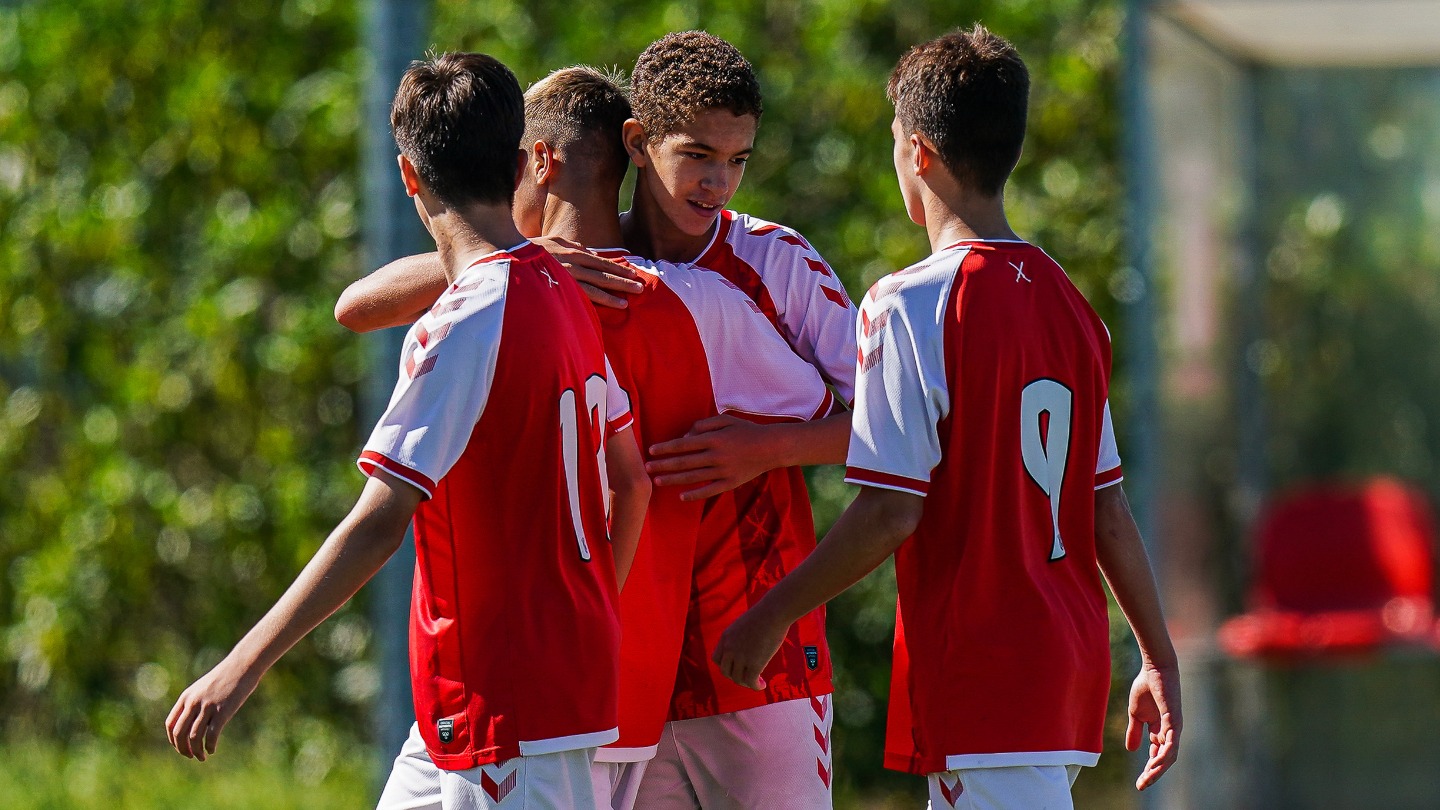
(178, 211)
(177, 197)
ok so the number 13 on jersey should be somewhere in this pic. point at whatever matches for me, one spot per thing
(1045, 408)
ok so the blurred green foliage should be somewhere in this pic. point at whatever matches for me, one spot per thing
(178, 203)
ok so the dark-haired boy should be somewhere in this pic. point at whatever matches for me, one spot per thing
(493, 441)
(697, 108)
(987, 463)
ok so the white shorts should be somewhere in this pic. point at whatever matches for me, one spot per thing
(1024, 787)
(558, 781)
(617, 783)
(765, 758)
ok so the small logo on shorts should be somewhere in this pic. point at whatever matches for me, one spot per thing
(812, 657)
(446, 729)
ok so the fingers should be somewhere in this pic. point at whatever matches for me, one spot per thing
(212, 732)
(601, 298)
(684, 444)
(703, 475)
(1133, 729)
(195, 739)
(602, 277)
(178, 730)
(1164, 749)
(710, 490)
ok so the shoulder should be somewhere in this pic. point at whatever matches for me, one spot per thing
(747, 234)
(922, 285)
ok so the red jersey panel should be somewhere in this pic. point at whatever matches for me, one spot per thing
(752, 537)
(499, 417)
(691, 345)
(983, 385)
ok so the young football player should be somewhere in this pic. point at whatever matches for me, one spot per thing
(697, 109)
(986, 458)
(493, 442)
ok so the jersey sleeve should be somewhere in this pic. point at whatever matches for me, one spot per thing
(901, 392)
(1107, 467)
(817, 314)
(618, 415)
(446, 373)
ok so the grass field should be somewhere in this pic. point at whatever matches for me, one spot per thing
(41, 776)
(45, 776)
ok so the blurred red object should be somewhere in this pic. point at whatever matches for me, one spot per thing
(1339, 569)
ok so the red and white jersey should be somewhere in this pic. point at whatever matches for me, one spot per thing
(499, 419)
(690, 346)
(751, 537)
(794, 287)
(983, 385)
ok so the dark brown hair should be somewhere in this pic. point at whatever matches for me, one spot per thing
(682, 75)
(581, 111)
(967, 92)
(458, 117)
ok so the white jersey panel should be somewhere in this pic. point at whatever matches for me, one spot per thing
(1107, 467)
(753, 371)
(815, 312)
(617, 403)
(446, 372)
(902, 390)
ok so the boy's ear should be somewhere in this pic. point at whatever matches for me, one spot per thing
(634, 137)
(543, 162)
(923, 154)
(409, 176)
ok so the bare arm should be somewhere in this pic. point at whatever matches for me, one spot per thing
(400, 292)
(1155, 694)
(723, 452)
(630, 488)
(872, 528)
(395, 295)
(352, 554)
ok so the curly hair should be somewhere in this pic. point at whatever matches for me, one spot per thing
(684, 74)
(966, 91)
(581, 111)
(458, 118)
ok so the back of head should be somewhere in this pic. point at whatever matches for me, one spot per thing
(458, 117)
(967, 92)
(580, 111)
(683, 75)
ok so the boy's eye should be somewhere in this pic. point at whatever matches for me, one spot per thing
(694, 155)
(740, 161)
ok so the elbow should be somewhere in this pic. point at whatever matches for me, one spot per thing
(897, 514)
(634, 487)
(348, 312)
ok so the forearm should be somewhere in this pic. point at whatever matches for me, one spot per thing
(822, 441)
(1126, 567)
(395, 295)
(350, 556)
(630, 488)
(870, 530)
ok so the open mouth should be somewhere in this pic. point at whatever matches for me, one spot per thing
(704, 209)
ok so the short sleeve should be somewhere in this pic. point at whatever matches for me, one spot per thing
(618, 415)
(446, 373)
(821, 319)
(1107, 466)
(901, 393)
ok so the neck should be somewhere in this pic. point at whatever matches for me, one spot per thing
(465, 234)
(959, 214)
(589, 215)
(649, 233)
